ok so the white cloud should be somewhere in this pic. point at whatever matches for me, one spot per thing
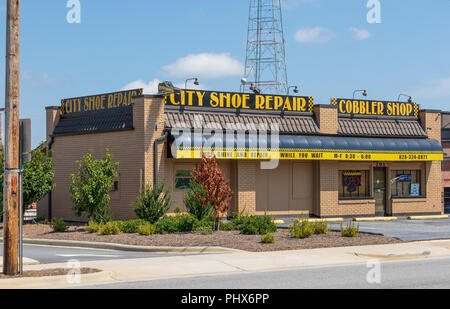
(152, 86)
(314, 35)
(149, 88)
(43, 80)
(360, 34)
(205, 66)
(438, 89)
(293, 4)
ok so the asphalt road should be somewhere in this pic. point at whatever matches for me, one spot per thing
(46, 254)
(411, 274)
(405, 230)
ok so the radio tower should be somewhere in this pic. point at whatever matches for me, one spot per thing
(265, 64)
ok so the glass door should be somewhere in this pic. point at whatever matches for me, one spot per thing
(379, 190)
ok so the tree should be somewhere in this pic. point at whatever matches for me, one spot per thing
(218, 192)
(37, 177)
(91, 186)
(153, 203)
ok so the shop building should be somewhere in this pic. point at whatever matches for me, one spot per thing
(446, 162)
(349, 158)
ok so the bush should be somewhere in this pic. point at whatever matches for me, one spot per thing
(256, 225)
(90, 187)
(320, 227)
(153, 203)
(59, 226)
(193, 203)
(110, 228)
(93, 227)
(132, 226)
(167, 225)
(204, 230)
(181, 224)
(228, 226)
(350, 231)
(268, 238)
(146, 229)
(301, 228)
(205, 223)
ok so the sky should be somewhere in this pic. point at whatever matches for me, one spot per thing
(331, 49)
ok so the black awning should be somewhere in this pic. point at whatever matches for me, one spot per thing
(234, 146)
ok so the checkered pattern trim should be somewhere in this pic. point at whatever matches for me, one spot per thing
(311, 104)
(334, 101)
(416, 110)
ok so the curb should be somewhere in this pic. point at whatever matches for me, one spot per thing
(119, 247)
(53, 281)
(370, 219)
(428, 217)
(327, 220)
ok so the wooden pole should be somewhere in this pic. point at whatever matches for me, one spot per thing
(11, 186)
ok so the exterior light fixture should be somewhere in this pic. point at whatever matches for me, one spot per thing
(364, 93)
(243, 83)
(255, 89)
(296, 90)
(405, 95)
(196, 82)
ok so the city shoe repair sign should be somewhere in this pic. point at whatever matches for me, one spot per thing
(242, 101)
(99, 102)
(377, 108)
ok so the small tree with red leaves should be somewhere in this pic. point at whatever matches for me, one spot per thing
(218, 192)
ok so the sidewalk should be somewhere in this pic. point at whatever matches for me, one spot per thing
(238, 262)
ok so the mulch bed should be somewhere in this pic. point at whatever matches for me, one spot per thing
(227, 239)
(49, 273)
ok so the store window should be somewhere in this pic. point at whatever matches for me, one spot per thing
(354, 184)
(183, 179)
(406, 183)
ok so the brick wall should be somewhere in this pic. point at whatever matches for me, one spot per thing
(246, 185)
(327, 118)
(132, 149)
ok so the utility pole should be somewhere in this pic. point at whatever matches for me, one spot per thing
(11, 190)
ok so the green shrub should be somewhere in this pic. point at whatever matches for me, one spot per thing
(186, 223)
(320, 227)
(268, 238)
(180, 224)
(93, 227)
(167, 225)
(204, 230)
(301, 228)
(193, 203)
(350, 231)
(177, 210)
(256, 225)
(153, 203)
(146, 229)
(110, 228)
(132, 226)
(59, 226)
(228, 226)
(206, 223)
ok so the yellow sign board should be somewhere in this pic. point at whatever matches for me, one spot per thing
(288, 154)
(376, 108)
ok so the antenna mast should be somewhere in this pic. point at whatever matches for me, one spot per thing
(265, 65)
